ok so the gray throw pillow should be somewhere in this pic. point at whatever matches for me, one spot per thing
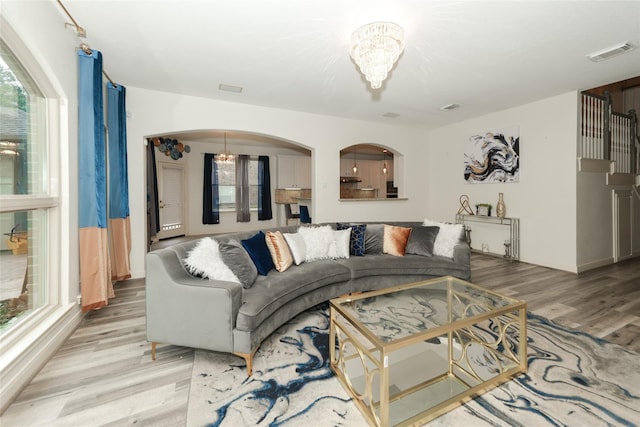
(421, 240)
(374, 239)
(239, 261)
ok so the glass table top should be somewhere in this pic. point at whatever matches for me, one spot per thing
(403, 311)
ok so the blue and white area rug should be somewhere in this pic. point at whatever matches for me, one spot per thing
(573, 379)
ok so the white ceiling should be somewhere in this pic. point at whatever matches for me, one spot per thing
(294, 54)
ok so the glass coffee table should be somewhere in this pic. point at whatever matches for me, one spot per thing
(410, 353)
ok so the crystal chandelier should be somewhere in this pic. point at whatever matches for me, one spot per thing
(375, 48)
(225, 157)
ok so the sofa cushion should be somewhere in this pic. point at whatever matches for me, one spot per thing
(395, 240)
(205, 260)
(271, 292)
(421, 240)
(449, 235)
(279, 249)
(258, 250)
(356, 241)
(239, 261)
(297, 247)
(373, 239)
(408, 265)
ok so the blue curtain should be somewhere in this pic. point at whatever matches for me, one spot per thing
(210, 194)
(95, 275)
(119, 223)
(264, 189)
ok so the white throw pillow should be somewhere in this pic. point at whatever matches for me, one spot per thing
(318, 241)
(296, 246)
(341, 244)
(204, 260)
(447, 238)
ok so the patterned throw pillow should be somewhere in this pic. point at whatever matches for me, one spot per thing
(356, 243)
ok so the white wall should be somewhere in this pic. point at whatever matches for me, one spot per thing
(545, 197)
(156, 113)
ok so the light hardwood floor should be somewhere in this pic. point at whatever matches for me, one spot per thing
(103, 375)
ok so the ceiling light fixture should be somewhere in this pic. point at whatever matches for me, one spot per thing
(384, 163)
(375, 48)
(355, 166)
(225, 157)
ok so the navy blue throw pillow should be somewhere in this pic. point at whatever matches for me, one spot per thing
(356, 242)
(258, 250)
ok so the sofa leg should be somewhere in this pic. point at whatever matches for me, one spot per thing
(153, 350)
(248, 357)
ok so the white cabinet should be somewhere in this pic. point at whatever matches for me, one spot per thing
(294, 171)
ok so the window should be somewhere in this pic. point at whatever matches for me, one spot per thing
(25, 196)
(227, 185)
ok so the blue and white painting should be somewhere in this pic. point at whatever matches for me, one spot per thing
(493, 157)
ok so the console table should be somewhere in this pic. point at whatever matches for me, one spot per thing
(513, 252)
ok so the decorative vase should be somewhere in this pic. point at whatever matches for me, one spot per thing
(500, 207)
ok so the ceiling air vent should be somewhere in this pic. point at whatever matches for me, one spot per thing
(610, 52)
(449, 107)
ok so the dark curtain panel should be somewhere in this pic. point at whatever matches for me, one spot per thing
(210, 195)
(153, 209)
(264, 189)
(243, 213)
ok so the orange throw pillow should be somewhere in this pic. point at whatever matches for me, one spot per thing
(279, 250)
(395, 239)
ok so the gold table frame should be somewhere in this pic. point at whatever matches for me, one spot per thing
(469, 308)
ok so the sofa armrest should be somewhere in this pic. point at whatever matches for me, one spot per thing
(186, 310)
(462, 257)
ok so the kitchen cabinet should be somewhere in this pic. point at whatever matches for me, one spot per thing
(294, 171)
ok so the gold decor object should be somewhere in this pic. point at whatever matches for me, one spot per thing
(375, 48)
(501, 209)
(464, 205)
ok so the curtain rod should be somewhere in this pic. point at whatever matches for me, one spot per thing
(81, 32)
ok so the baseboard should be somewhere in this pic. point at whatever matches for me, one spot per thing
(594, 264)
(36, 349)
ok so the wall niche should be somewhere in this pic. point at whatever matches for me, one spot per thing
(367, 173)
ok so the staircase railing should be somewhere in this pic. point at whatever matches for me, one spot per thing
(607, 135)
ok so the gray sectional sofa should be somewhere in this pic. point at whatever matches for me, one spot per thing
(224, 316)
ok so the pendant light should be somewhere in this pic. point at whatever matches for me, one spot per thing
(384, 163)
(355, 166)
(225, 157)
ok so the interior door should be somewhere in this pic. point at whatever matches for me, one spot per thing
(171, 200)
(622, 225)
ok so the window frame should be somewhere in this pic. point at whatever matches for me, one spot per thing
(53, 126)
(254, 163)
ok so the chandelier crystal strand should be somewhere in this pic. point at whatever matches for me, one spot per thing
(375, 48)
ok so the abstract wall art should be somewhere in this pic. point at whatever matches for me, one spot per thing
(493, 157)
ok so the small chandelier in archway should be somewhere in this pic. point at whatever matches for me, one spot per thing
(225, 157)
